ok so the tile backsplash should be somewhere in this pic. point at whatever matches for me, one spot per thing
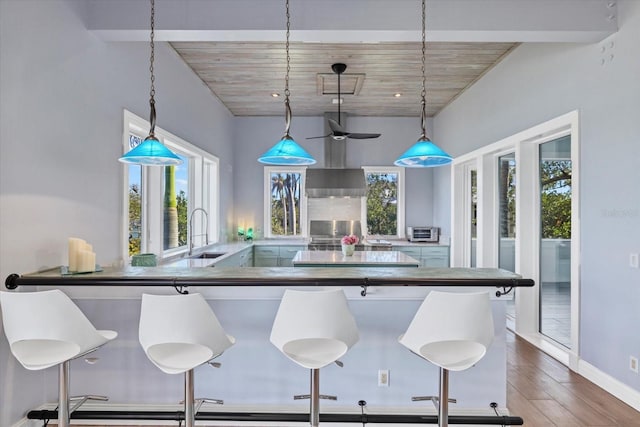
(329, 209)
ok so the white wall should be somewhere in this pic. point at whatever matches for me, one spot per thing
(63, 93)
(538, 82)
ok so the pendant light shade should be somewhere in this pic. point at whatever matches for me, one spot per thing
(287, 151)
(151, 152)
(424, 153)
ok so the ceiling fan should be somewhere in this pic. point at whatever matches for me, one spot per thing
(338, 133)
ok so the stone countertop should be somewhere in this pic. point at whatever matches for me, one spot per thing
(401, 242)
(273, 276)
(186, 261)
(258, 283)
(303, 241)
(359, 258)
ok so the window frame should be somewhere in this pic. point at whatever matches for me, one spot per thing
(400, 201)
(304, 227)
(200, 187)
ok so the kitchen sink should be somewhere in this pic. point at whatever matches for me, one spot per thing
(208, 255)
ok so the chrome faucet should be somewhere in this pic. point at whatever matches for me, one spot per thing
(206, 230)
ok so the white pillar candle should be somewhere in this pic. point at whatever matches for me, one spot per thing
(86, 261)
(75, 245)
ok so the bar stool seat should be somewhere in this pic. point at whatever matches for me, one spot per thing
(179, 333)
(46, 329)
(453, 331)
(314, 329)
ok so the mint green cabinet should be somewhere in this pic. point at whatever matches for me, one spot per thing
(429, 256)
(275, 256)
(243, 258)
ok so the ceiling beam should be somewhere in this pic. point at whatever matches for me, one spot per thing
(355, 21)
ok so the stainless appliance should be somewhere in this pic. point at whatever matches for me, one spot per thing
(423, 234)
(327, 235)
(335, 180)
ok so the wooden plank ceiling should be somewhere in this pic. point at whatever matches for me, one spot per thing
(243, 75)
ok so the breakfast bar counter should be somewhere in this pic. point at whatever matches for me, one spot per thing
(168, 275)
(245, 299)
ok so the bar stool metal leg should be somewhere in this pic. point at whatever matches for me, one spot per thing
(315, 398)
(63, 395)
(189, 414)
(443, 403)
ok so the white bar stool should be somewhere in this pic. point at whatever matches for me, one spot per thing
(179, 333)
(453, 331)
(314, 329)
(45, 329)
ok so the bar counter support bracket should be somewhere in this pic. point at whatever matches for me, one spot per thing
(364, 287)
(182, 289)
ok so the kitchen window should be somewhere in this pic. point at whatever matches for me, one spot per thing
(285, 202)
(160, 201)
(383, 212)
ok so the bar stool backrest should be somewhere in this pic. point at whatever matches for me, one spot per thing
(46, 328)
(314, 328)
(180, 332)
(451, 330)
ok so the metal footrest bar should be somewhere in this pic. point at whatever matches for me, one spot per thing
(282, 417)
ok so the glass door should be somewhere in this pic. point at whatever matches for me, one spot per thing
(555, 240)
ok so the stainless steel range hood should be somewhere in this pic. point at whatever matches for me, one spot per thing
(335, 180)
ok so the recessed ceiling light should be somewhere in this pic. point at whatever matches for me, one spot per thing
(275, 94)
(397, 95)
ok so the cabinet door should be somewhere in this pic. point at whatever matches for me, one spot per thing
(232, 261)
(265, 256)
(246, 258)
(412, 251)
(287, 253)
(435, 257)
(261, 261)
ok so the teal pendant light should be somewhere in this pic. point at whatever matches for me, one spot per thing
(287, 151)
(151, 152)
(424, 153)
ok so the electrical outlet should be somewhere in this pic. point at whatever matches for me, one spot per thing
(383, 378)
(633, 260)
(633, 364)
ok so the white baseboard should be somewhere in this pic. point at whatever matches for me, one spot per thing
(617, 388)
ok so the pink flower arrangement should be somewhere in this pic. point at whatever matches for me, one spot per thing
(350, 240)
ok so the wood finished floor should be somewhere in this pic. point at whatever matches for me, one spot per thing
(545, 393)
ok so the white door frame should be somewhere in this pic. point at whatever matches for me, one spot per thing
(525, 144)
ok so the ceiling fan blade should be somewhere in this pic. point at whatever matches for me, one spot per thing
(336, 128)
(318, 137)
(362, 135)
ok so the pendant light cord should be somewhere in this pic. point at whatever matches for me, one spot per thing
(287, 107)
(423, 114)
(152, 91)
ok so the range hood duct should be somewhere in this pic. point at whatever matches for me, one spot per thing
(334, 180)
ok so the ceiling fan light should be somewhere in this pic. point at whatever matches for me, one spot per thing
(423, 153)
(151, 152)
(287, 152)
